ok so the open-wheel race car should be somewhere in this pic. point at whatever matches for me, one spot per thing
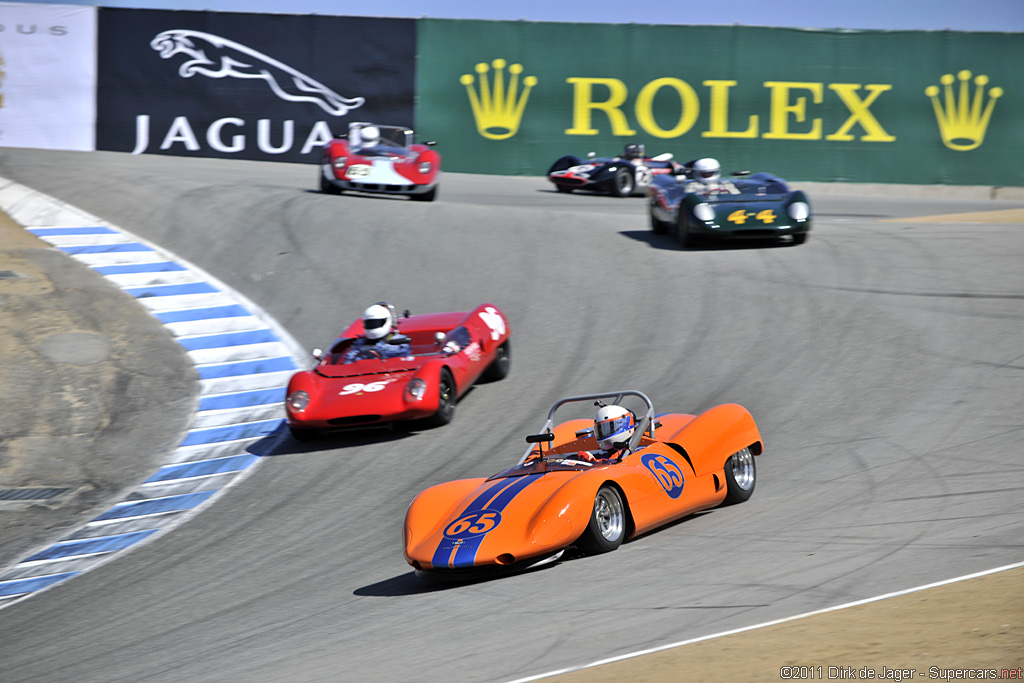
(620, 176)
(698, 205)
(577, 485)
(416, 368)
(382, 160)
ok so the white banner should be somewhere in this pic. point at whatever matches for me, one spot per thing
(47, 76)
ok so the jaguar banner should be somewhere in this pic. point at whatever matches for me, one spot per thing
(47, 76)
(853, 106)
(271, 87)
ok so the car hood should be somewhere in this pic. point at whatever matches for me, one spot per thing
(361, 368)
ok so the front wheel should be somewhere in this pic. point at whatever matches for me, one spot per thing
(740, 476)
(658, 227)
(682, 233)
(326, 186)
(623, 183)
(607, 527)
(428, 196)
(445, 401)
(304, 435)
(800, 239)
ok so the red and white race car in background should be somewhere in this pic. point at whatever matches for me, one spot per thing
(380, 159)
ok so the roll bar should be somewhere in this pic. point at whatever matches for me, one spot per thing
(644, 424)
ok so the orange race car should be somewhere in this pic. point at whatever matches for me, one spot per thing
(597, 483)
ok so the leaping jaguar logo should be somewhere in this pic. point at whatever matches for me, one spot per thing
(238, 61)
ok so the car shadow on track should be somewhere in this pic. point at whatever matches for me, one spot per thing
(669, 243)
(411, 584)
(337, 441)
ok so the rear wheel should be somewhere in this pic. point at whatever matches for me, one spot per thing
(607, 528)
(740, 476)
(499, 367)
(623, 183)
(563, 188)
(446, 401)
(800, 239)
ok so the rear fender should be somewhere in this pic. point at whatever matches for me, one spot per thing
(711, 437)
(488, 323)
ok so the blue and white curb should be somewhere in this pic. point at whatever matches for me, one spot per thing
(242, 356)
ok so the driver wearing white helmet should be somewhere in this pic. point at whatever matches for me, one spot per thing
(363, 136)
(380, 337)
(706, 176)
(613, 427)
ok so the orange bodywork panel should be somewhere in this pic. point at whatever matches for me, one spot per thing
(544, 504)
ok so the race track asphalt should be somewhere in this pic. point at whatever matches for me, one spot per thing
(882, 361)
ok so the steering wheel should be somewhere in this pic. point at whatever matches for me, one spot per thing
(370, 354)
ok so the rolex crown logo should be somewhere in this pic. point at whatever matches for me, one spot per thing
(497, 109)
(963, 121)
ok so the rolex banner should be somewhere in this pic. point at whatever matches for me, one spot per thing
(272, 87)
(852, 106)
(47, 76)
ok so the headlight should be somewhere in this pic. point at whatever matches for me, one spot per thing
(704, 212)
(425, 167)
(340, 162)
(298, 400)
(415, 389)
(799, 211)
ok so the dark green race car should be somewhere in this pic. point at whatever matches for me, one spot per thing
(751, 206)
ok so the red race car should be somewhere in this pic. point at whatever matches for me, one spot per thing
(438, 357)
(380, 159)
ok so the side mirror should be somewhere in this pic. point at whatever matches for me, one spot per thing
(546, 437)
(318, 353)
(430, 143)
(741, 173)
(591, 155)
(439, 338)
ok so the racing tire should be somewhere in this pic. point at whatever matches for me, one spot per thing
(328, 187)
(563, 188)
(682, 233)
(800, 239)
(740, 477)
(623, 183)
(428, 196)
(446, 400)
(499, 367)
(658, 227)
(304, 435)
(607, 528)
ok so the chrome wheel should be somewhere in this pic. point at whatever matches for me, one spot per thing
(740, 476)
(609, 514)
(743, 469)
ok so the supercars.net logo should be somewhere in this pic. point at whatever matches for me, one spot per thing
(497, 109)
(217, 57)
(963, 121)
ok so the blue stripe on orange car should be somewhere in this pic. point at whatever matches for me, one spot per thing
(463, 536)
